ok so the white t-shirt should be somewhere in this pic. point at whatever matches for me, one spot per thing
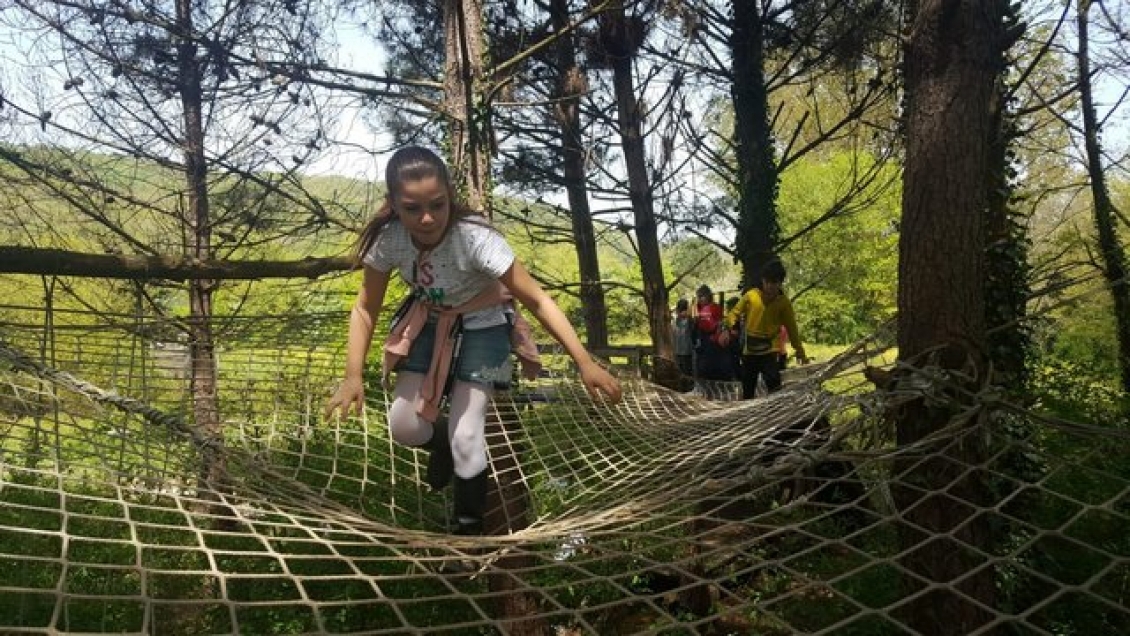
(469, 259)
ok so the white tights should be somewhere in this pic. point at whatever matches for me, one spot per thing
(466, 422)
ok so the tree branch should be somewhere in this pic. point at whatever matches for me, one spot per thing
(56, 262)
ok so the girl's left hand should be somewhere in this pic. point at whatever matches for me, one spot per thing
(598, 380)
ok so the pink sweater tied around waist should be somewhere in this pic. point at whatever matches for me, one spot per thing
(408, 328)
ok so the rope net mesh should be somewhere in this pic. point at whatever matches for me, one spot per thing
(667, 513)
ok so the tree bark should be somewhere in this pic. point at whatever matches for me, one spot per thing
(951, 71)
(1110, 247)
(469, 111)
(617, 28)
(201, 345)
(757, 231)
(467, 105)
(571, 84)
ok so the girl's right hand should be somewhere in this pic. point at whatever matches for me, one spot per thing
(350, 396)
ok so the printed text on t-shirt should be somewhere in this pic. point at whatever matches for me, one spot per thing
(425, 276)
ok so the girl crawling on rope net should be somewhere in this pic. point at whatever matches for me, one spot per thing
(450, 342)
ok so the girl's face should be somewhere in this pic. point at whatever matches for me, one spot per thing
(424, 208)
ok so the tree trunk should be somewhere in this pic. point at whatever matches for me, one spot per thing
(469, 112)
(202, 353)
(468, 109)
(571, 85)
(508, 511)
(630, 123)
(1110, 248)
(757, 231)
(951, 71)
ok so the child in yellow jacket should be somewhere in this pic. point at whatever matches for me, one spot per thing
(762, 311)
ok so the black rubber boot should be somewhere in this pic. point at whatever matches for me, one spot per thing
(470, 504)
(441, 466)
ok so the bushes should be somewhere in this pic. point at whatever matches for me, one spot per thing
(1073, 390)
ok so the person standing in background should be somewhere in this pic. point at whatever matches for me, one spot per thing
(681, 326)
(764, 310)
(712, 359)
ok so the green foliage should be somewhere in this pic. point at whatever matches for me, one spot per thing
(1007, 290)
(1073, 390)
(1080, 333)
(842, 274)
(1076, 373)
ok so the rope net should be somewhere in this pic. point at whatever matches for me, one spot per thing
(668, 513)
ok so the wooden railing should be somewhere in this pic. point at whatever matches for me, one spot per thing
(635, 358)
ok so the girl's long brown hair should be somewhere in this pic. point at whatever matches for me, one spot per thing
(410, 163)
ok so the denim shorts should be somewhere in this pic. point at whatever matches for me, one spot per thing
(484, 357)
